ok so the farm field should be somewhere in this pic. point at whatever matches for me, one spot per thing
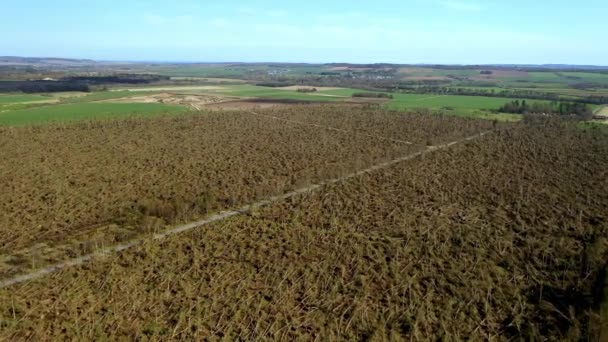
(83, 112)
(403, 101)
(602, 111)
(400, 101)
(107, 95)
(482, 107)
(501, 237)
(9, 98)
(104, 104)
(72, 188)
(506, 77)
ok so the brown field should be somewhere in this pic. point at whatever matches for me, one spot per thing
(196, 101)
(501, 238)
(296, 87)
(428, 78)
(173, 88)
(253, 104)
(72, 189)
(502, 73)
(415, 70)
(208, 79)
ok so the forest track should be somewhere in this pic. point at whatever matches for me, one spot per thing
(223, 215)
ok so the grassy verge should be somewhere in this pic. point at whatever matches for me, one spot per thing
(83, 111)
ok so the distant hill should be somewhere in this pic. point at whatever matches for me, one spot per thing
(69, 62)
(15, 60)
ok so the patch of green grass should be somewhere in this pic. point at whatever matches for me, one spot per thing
(594, 126)
(348, 92)
(403, 101)
(9, 98)
(269, 92)
(485, 115)
(601, 110)
(106, 95)
(84, 111)
(567, 77)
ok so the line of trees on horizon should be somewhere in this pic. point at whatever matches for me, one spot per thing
(581, 110)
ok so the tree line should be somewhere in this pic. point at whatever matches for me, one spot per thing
(510, 93)
(554, 108)
(75, 83)
(373, 95)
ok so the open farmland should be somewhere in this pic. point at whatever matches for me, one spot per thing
(137, 99)
(71, 189)
(83, 112)
(7, 99)
(403, 101)
(502, 237)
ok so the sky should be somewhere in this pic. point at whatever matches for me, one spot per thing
(379, 31)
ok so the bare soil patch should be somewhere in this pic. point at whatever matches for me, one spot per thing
(501, 74)
(427, 78)
(173, 88)
(414, 70)
(255, 104)
(193, 100)
(296, 87)
(209, 79)
(349, 69)
(242, 105)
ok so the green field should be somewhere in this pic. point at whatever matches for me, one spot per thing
(269, 92)
(405, 101)
(23, 109)
(107, 95)
(9, 99)
(83, 111)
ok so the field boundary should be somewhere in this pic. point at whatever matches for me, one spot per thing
(332, 128)
(224, 215)
(601, 110)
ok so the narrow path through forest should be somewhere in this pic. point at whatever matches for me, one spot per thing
(223, 215)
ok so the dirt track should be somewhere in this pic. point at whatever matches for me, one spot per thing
(172, 88)
(224, 215)
(193, 100)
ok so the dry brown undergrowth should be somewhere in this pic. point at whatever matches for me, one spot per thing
(69, 190)
(497, 239)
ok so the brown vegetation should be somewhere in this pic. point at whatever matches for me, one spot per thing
(71, 189)
(501, 238)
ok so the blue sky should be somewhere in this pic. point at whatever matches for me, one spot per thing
(414, 31)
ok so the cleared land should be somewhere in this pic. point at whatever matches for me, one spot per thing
(172, 88)
(84, 112)
(501, 238)
(70, 189)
